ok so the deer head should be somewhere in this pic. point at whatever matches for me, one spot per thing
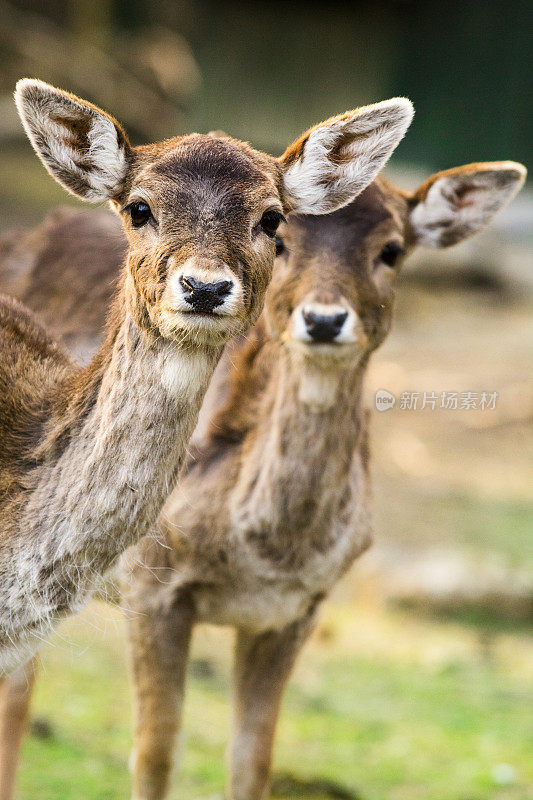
(331, 298)
(201, 212)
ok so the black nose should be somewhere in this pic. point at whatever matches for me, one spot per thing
(204, 297)
(324, 327)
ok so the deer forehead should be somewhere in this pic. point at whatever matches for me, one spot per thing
(203, 172)
(349, 235)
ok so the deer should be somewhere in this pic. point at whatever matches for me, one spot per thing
(88, 455)
(274, 503)
(66, 271)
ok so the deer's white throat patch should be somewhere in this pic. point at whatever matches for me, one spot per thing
(183, 373)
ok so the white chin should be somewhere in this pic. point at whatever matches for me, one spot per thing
(330, 350)
(203, 329)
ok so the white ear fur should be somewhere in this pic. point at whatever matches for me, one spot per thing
(82, 147)
(457, 203)
(328, 166)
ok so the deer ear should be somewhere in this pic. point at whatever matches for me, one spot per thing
(457, 203)
(82, 147)
(330, 164)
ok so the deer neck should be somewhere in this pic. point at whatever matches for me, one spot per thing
(298, 461)
(315, 410)
(109, 456)
(140, 401)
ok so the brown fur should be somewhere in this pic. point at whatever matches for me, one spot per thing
(275, 502)
(87, 249)
(274, 505)
(15, 699)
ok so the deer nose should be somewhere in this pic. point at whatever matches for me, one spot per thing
(204, 297)
(324, 327)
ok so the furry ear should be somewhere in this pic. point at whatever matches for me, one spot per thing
(457, 203)
(82, 147)
(330, 164)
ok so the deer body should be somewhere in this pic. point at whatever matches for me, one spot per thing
(87, 248)
(88, 455)
(274, 504)
(295, 503)
(99, 479)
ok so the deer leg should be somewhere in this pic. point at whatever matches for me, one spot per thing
(159, 644)
(15, 699)
(263, 664)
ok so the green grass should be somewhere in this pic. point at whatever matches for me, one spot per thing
(429, 715)
(412, 515)
(405, 731)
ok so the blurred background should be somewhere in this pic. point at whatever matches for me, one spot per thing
(419, 680)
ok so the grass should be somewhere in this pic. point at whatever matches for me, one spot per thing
(385, 705)
(412, 515)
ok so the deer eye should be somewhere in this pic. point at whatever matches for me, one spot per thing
(390, 254)
(140, 213)
(270, 222)
(280, 247)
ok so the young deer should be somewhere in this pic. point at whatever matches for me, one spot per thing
(274, 504)
(89, 455)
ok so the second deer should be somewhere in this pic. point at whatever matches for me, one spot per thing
(275, 501)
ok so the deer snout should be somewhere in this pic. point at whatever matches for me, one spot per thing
(324, 327)
(313, 323)
(204, 287)
(202, 296)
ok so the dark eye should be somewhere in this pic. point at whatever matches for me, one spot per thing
(270, 222)
(140, 213)
(280, 247)
(390, 254)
